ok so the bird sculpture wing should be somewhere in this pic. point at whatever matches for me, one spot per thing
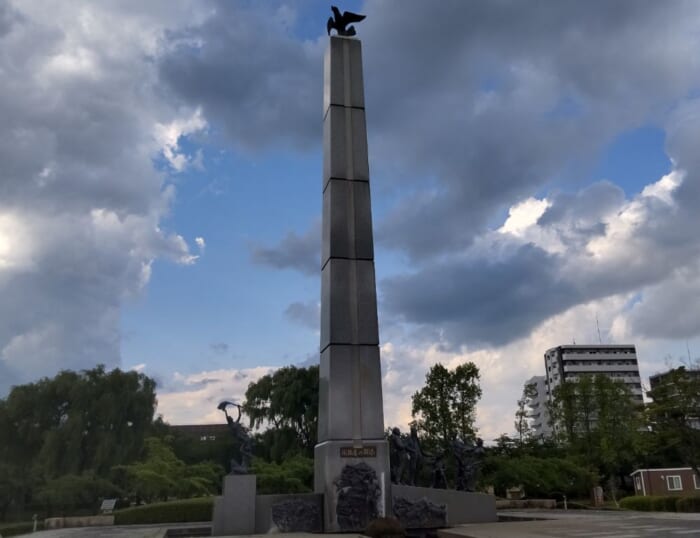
(330, 25)
(224, 404)
(349, 17)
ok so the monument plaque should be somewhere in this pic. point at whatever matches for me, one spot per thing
(358, 452)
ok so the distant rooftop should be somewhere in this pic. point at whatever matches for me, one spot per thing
(592, 346)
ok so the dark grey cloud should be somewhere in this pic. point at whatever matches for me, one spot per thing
(306, 314)
(577, 217)
(670, 309)
(80, 199)
(298, 252)
(249, 75)
(492, 101)
(603, 245)
(479, 300)
(8, 17)
(584, 208)
(470, 106)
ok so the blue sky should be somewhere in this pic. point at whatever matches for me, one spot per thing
(532, 165)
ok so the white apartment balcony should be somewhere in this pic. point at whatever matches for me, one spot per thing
(598, 356)
(602, 368)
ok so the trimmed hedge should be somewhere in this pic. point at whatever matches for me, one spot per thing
(688, 504)
(184, 511)
(15, 529)
(661, 503)
(664, 503)
(639, 502)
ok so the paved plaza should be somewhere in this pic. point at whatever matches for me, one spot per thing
(572, 524)
(588, 524)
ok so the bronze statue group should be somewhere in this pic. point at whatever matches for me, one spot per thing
(406, 458)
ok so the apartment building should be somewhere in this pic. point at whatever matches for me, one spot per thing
(539, 413)
(569, 363)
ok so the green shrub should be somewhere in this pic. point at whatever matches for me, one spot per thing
(651, 503)
(664, 503)
(183, 511)
(540, 477)
(15, 529)
(294, 475)
(70, 494)
(637, 502)
(688, 504)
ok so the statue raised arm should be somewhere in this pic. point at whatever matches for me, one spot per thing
(240, 433)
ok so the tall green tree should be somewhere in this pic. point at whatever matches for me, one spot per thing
(162, 475)
(599, 422)
(76, 422)
(286, 399)
(674, 414)
(446, 405)
(523, 429)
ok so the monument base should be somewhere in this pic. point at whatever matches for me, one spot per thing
(355, 482)
(234, 511)
(297, 512)
(460, 506)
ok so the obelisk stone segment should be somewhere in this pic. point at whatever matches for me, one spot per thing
(350, 393)
(348, 287)
(345, 142)
(342, 74)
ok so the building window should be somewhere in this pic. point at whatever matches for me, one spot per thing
(674, 483)
(637, 484)
(696, 481)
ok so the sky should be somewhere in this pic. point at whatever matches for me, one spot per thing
(533, 168)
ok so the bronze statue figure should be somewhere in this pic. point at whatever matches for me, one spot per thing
(415, 455)
(245, 443)
(438, 474)
(475, 455)
(468, 458)
(398, 456)
(340, 22)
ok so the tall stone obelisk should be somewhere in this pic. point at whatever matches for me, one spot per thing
(351, 458)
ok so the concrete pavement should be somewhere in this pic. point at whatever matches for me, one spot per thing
(542, 524)
(583, 524)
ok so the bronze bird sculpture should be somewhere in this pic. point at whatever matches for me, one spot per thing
(340, 22)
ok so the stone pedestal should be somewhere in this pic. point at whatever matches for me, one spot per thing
(234, 511)
(351, 459)
(460, 506)
(355, 479)
(297, 512)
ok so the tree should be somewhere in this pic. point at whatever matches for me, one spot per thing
(522, 415)
(674, 414)
(599, 422)
(162, 475)
(540, 477)
(287, 398)
(295, 475)
(77, 424)
(12, 488)
(68, 492)
(446, 405)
